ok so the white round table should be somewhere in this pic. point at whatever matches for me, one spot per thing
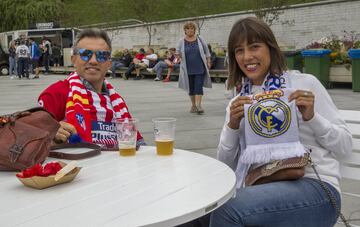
(110, 190)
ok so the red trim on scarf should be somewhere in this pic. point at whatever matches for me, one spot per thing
(79, 113)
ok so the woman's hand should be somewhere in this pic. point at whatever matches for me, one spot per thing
(304, 100)
(208, 63)
(237, 111)
(64, 132)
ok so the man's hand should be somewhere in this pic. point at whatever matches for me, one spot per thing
(64, 132)
(237, 111)
(304, 100)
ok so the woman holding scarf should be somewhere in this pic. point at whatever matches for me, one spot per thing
(314, 125)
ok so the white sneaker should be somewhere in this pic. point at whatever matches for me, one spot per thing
(150, 70)
(11, 77)
(156, 79)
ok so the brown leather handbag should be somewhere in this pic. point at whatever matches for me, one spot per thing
(278, 170)
(25, 138)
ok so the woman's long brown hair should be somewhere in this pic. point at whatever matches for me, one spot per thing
(250, 30)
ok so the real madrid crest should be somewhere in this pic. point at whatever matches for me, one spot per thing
(269, 116)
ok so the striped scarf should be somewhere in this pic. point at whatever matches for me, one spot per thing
(78, 106)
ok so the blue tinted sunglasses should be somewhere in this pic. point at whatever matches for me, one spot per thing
(101, 55)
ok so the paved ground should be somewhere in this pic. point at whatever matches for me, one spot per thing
(148, 99)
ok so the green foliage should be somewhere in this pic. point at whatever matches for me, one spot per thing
(146, 11)
(118, 53)
(83, 12)
(339, 46)
(357, 44)
(19, 14)
(16, 14)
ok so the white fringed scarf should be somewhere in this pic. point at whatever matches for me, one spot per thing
(271, 129)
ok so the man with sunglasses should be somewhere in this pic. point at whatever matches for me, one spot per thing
(85, 104)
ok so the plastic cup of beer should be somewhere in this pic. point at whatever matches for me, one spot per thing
(164, 132)
(126, 136)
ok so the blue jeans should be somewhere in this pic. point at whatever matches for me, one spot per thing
(115, 65)
(12, 66)
(196, 83)
(159, 67)
(285, 203)
(46, 62)
(23, 66)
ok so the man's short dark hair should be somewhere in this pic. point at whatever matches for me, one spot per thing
(93, 33)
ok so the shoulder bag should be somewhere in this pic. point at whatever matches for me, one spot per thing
(25, 138)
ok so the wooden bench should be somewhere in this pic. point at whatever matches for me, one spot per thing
(350, 171)
(219, 73)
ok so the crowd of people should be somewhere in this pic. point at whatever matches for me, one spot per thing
(85, 102)
(26, 56)
(154, 63)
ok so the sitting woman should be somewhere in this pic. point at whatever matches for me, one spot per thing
(258, 66)
(173, 64)
(169, 63)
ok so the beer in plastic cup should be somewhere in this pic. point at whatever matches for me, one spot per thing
(164, 132)
(126, 136)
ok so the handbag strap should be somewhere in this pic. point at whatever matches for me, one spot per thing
(330, 196)
(96, 150)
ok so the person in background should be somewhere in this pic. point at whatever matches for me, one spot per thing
(174, 65)
(12, 60)
(148, 61)
(47, 52)
(35, 57)
(194, 68)
(168, 63)
(136, 60)
(258, 65)
(22, 55)
(123, 61)
(85, 103)
(212, 57)
(56, 55)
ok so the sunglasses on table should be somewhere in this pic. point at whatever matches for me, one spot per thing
(101, 55)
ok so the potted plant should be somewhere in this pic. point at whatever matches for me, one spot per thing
(354, 54)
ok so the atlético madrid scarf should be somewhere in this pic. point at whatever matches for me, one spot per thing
(78, 109)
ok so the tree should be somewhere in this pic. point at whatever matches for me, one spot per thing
(269, 10)
(19, 14)
(199, 9)
(147, 12)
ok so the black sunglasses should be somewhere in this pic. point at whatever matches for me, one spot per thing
(101, 55)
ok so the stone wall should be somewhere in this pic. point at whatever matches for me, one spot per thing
(307, 22)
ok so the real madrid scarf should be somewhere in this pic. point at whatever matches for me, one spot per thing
(78, 109)
(271, 130)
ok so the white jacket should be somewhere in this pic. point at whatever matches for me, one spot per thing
(326, 133)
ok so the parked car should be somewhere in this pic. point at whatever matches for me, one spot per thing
(4, 62)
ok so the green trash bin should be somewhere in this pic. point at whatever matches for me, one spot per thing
(317, 63)
(354, 55)
(294, 59)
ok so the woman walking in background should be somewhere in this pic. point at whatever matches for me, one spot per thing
(194, 68)
(12, 60)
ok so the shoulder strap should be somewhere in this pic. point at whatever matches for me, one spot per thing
(96, 150)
